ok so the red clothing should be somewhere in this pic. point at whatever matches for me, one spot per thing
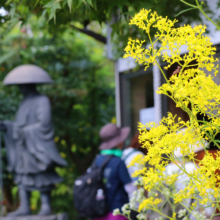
(110, 216)
(201, 154)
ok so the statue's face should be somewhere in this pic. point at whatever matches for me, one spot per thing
(27, 89)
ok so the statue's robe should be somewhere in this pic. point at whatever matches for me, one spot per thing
(31, 151)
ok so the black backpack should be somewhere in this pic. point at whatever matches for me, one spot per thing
(89, 192)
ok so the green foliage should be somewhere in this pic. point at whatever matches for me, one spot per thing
(82, 96)
(61, 14)
(34, 201)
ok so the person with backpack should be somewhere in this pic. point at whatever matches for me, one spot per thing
(108, 178)
(130, 153)
(134, 149)
(118, 182)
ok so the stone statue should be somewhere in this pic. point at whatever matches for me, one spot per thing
(31, 151)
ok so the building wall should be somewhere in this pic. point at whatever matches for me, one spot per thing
(141, 97)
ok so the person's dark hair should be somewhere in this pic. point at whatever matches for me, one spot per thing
(136, 144)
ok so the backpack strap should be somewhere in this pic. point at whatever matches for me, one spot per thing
(94, 163)
(129, 154)
(106, 161)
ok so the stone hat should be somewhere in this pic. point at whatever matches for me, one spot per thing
(197, 146)
(112, 135)
(27, 74)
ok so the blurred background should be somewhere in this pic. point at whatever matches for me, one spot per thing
(80, 44)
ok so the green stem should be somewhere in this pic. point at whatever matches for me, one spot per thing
(212, 139)
(158, 211)
(192, 65)
(36, 3)
(200, 8)
(188, 209)
(164, 75)
(152, 44)
(182, 107)
(193, 6)
(167, 197)
(184, 171)
(213, 214)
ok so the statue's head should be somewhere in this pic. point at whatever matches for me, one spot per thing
(27, 74)
(27, 89)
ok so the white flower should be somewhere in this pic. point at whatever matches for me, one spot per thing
(141, 216)
(166, 191)
(199, 215)
(134, 193)
(116, 212)
(185, 218)
(126, 209)
(181, 213)
(132, 204)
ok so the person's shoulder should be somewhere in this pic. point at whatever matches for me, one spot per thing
(127, 150)
(130, 153)
(116, 161)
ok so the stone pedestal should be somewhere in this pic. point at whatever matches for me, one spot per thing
(62, 216)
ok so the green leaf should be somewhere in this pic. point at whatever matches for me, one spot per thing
(84, 1)
(7, 56)
(8, 2)
(94, 3)
(69, 2)
(53, 6)
(49, 4)
(188, 9)
(44, 12)
(36, 2)
(131, 13)
(12, 10)
(89, 2)
(75, 4)
(119, 4)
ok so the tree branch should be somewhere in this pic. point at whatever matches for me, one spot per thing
(96, 36)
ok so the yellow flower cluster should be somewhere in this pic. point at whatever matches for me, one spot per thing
(149, 203)
(171, 40)
(193, 90)
(195, 87)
